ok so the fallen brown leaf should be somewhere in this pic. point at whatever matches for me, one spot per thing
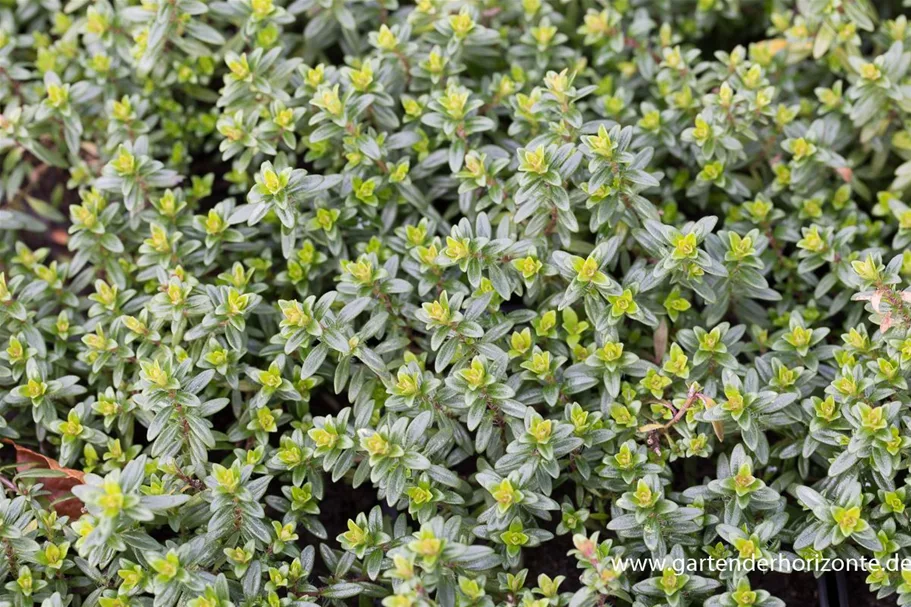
(60, 488)
(660, 341)
(718, 427)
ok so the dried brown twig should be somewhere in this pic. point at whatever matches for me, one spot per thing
(655, 431)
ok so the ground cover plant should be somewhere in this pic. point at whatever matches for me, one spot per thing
(325, 302)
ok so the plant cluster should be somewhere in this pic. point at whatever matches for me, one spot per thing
(610, 279)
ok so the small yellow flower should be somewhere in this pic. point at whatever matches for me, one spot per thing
(541, 430)
(685, 246)
(72, 427)
(35, 389)
(427, 545)
(239, 67)
(812, 241)
(505, 495)
(533, 161)
(601, 144)
(475, 375)
(437, 312)
(124, 163)
(328, 100)
(651, 121)
(610, 352)
(265, 419)
(528, 267)
(227, 478)
(325, 218)
(57, 95)
(456, 249)
(355, 534)
(122, 110)
(588, 271)
(362, 79)
(375, 444)
(669, 581)
(404, 568)
(702, 131)
(746, 548)
(323, 438)
(454, 102)
(623, 304)
(112, 499)
(520, 342)
(624, 457)
(386, 39)
(867, 269)
(802, 149)
(270, 379)
(419, 495)
(461, 24)
(261, 8)
(644, 496)
(539, 363)
(869, 71)
(744, 596)
(214, 223)
(872, 418)
(849, 520)
(96, 23)
(272, 182)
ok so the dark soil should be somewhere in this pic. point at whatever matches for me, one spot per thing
(551, 559)
(691, 471)
(804, 590)
(341, 503)
(859, 594)
(793, 588)
(49, 186)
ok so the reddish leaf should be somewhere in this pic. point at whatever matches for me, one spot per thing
(59, 487)
(60, 236)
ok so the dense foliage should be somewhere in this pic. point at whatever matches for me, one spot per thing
(622, 279)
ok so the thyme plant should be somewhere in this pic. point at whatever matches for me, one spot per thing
(605, 279)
